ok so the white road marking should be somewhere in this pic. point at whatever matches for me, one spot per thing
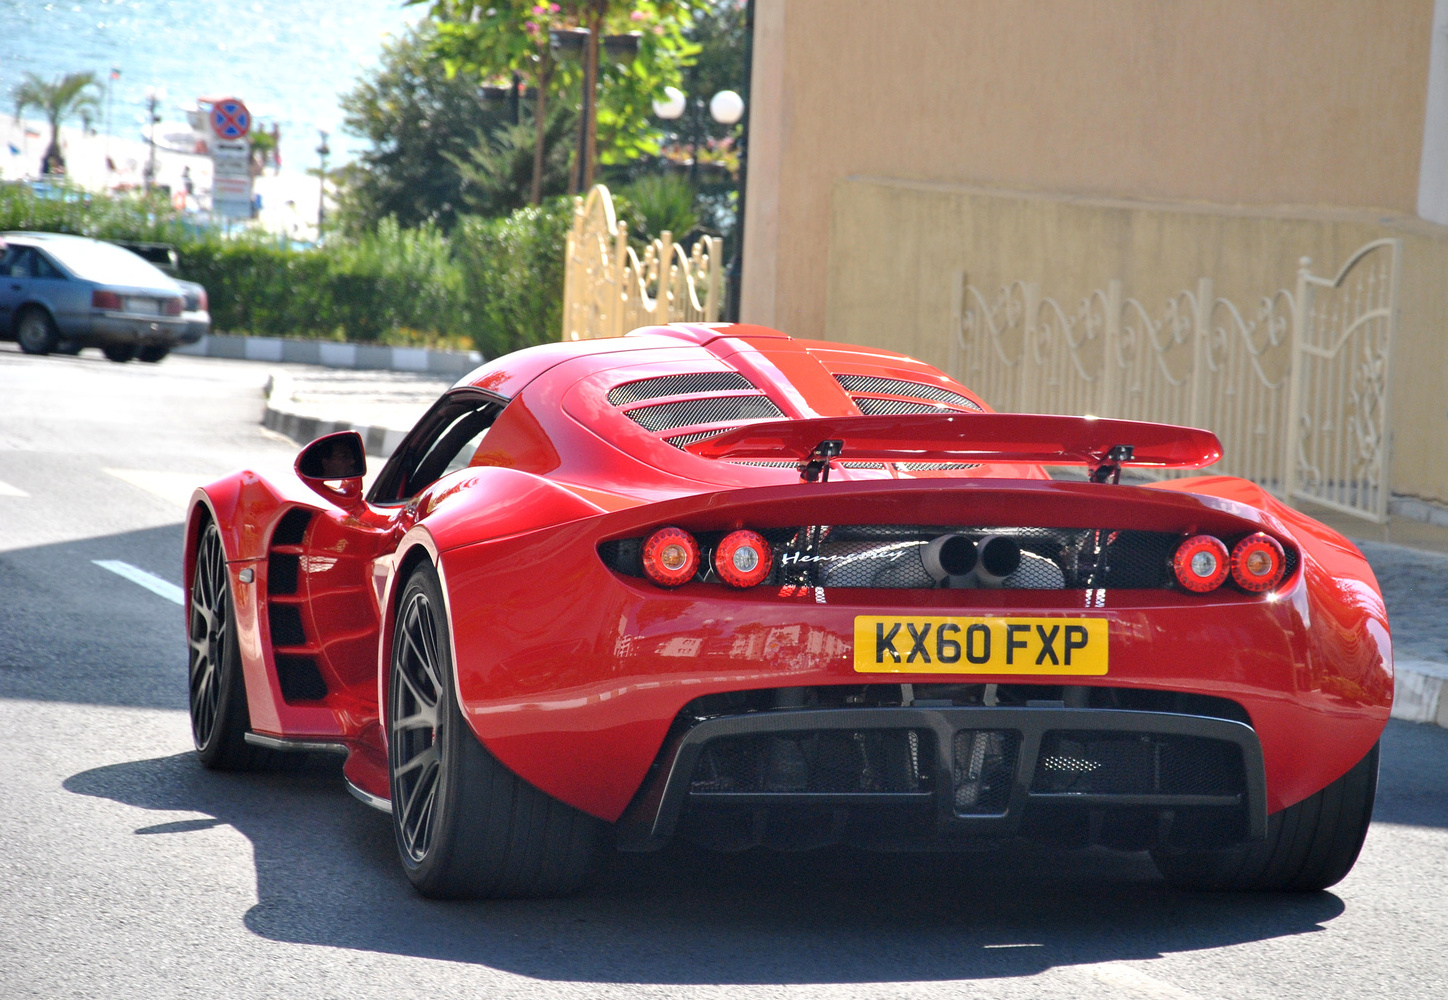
(1127, 977)
(175, 487)
(150, 581)
(6, 490)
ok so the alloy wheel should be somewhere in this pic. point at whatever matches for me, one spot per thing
(414, 753)
(209, 635)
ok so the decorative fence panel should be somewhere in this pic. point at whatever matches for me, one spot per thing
(1297, 389)
(609, 290)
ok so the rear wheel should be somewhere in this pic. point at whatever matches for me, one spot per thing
(152, 353)
(1309, 846)
(35, 332)
(119, 353)
(219, 715)
(466, 826)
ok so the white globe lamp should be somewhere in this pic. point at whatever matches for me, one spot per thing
(726, 108)
(672, 104)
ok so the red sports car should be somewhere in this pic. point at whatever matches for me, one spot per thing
(714, 582)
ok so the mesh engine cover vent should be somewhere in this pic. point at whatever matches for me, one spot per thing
(677, 385)
(687, 412)
(900, 387)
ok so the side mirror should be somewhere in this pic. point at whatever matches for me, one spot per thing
(333, 466)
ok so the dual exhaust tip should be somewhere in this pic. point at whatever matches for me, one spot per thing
(960, 561)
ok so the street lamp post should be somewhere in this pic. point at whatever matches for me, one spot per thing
(322, 153)
(154, 95)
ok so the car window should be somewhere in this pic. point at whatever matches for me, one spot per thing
(11, 255)
(444, 440)
(22, 265)
(43, 268)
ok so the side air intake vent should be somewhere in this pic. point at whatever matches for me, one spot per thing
(686, 413)
(677, 385)
(900, 387)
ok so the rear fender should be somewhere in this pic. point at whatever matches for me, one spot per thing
(493, 502)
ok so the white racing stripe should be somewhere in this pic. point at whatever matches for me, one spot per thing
(153, 583)
(6, 490)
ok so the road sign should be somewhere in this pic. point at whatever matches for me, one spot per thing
(230, 119)
(231, 178)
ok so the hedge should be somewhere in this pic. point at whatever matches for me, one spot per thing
(494, 284)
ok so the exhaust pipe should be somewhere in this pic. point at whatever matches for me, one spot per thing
(996, 557)
(948, 556)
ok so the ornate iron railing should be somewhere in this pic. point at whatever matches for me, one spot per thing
(1297, 389)
(609, 290)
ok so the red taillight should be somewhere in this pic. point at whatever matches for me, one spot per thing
(105, 300)
(743, 558)
(173, 307)
(670, 557)
(202, 302)
(1201, 563)
(1258, 563)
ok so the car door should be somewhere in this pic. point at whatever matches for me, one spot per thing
(325, 563)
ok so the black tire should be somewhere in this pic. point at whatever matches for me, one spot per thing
(36, 332)
(68, 347)
(219, 714)
(1309, 846)
(466, 826)
(119, 353)
(152, 353)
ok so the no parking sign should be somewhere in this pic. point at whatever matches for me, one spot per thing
(230, 119)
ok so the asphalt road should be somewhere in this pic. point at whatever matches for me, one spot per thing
(126, 870)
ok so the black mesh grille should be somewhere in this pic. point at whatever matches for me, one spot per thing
(281, 573)
(900, 387)
(683, 439)
(677, 385)
(300, 679)
(292, 528)
(935, 466)
(983, 766)
(872, 760)
(286, 625)
(687, 412)
(888, 407)
(1118, 763)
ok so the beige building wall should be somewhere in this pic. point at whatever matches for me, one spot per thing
(1235, 102)
(896, 144)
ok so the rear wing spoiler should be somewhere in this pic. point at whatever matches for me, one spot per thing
(1101, 444)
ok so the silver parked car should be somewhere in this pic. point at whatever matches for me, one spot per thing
(62, 293)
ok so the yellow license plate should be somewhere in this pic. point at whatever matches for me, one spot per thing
(926, 644)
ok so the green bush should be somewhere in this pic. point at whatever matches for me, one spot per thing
(512, 269)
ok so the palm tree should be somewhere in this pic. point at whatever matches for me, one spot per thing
(67, 95)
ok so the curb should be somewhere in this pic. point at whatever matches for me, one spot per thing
(378, 441)
(1418, 689)
(331, 354)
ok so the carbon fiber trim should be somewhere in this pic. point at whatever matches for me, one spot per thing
(687, 412)
(677, 385)
(900, 387)
(889, 407)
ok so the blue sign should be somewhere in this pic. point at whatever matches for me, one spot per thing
(230, 119)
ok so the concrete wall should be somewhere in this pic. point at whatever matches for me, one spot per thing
(896, 247)
(1232, 102)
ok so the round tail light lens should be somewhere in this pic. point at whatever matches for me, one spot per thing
(670, 557)
(1201, 563)
(743, 558)
(1258, 563)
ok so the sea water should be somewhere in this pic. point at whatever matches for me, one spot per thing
(288, 60)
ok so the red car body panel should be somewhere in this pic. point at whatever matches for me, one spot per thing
(571, 674)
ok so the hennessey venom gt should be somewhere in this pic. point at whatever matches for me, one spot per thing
(709, 581)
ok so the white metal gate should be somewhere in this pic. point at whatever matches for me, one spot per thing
(1297, 388)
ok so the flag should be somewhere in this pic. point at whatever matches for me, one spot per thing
(115, 72)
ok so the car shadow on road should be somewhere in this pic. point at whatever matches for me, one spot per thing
(326, 874)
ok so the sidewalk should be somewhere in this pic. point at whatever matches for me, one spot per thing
(383, 406)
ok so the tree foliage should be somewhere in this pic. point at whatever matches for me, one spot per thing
(62, 97)
(419, 123)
